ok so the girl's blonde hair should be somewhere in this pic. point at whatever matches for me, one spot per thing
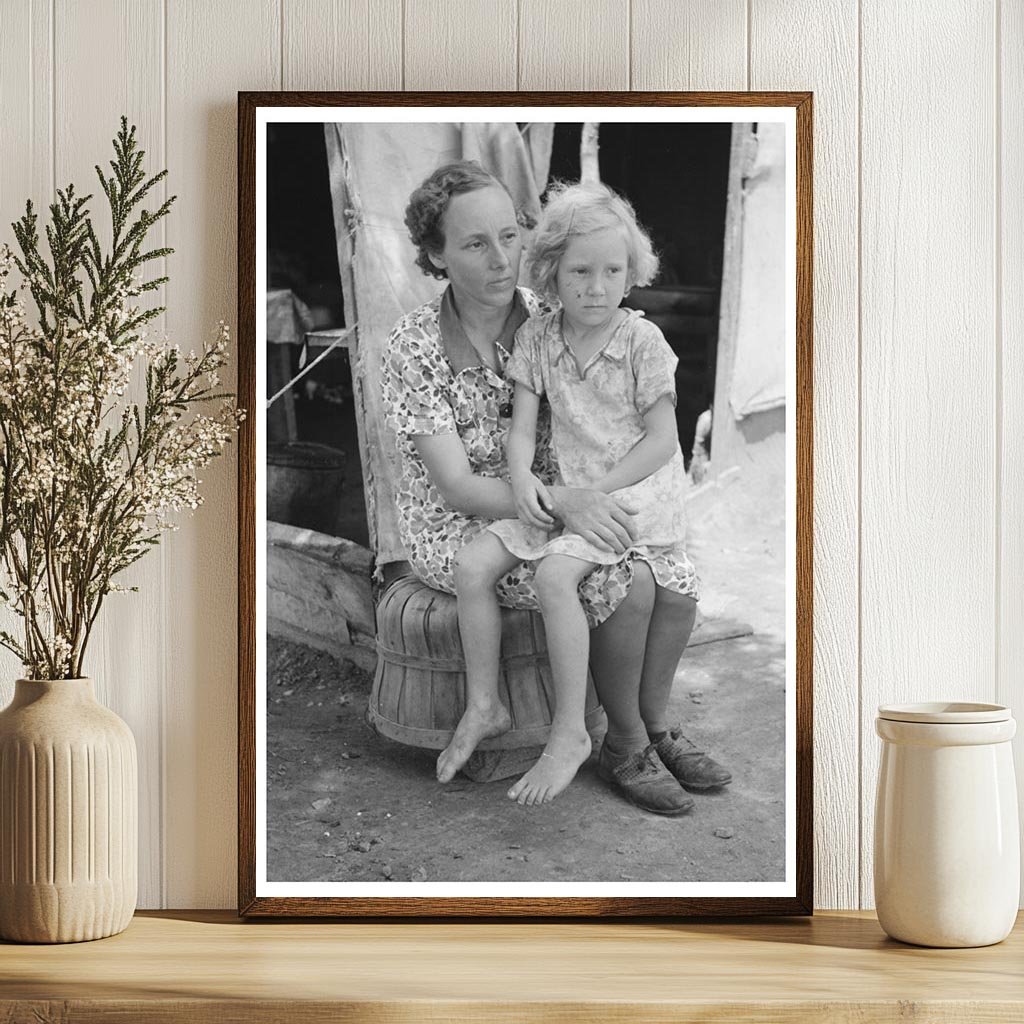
(578, 208)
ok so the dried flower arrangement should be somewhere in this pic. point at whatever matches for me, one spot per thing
(88, 477)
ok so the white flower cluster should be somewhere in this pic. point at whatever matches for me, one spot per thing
(89, 476)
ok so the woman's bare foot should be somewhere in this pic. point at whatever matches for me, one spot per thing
(554, 770)
(477, 723)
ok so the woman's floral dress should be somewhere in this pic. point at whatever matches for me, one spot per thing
(597, 417)
(434, 384)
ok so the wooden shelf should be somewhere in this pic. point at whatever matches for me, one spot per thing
(208, 966)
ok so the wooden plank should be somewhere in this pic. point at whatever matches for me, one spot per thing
(342, 44)
(210, 967)
(361, 652)
(26, 95)
(125, 656)
(26, 119)
(574, 44)
(699, 44)
(825, 61)
(466, 45)
(213, 51)
(332, 596)
(1010, 314)
(928, 349)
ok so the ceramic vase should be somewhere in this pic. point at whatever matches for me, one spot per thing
(68, 815)
(947, 847)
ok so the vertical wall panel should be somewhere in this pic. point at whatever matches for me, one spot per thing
(928, 405)
(699, 44)
(573, 44)
(213, 51)
(814, 46)
(26, 168)
(26, 97)
(465, 45)
(122, 656)
(938, 617)
(342, 44)
(1010, 145)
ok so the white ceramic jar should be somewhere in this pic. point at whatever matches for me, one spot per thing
(947, 847)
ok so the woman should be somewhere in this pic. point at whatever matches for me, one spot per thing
(449, 403)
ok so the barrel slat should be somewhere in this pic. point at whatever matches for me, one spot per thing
(414, 704)
(418, 693)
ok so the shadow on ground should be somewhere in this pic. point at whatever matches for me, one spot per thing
(347, 805)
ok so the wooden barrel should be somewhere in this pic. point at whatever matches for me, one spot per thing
(304, 486)
(419, 690)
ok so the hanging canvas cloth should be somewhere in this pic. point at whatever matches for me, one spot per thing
(373, 170)
(759, 371)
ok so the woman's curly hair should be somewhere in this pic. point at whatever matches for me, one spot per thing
(428, 203)
(578, 208)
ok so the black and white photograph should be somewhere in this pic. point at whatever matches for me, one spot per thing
(525, 476)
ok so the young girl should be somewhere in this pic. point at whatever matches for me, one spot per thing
(609, 378)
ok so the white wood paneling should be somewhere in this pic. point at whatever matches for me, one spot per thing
(466, 45)
(26, 104)
(1010, 313)
(919, 551)
(696, 45)
(213, 51)
(814, 46)
(341, 44)
(928, 403)
(127, 666)
(573, 44)
(26, 169)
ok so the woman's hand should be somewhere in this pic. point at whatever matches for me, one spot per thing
(597, 517)
(533, 501)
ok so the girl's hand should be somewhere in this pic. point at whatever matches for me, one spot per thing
(533, 501)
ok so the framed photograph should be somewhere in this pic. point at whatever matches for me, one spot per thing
(525, 504)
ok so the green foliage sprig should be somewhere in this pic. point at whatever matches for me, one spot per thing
(88, 477)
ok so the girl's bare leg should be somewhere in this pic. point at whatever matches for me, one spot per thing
(617, 660)
(478, 567)
(568, 637)
(669, 632)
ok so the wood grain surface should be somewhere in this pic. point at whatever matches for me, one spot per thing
(344, 44)
(1009, 315)
(230, 45)
(832, 75)
(919, 158)
(468, 45)
(928, 367)
(701, 44)
(199, 967)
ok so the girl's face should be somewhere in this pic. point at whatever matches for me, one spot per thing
(591, 276)
(482, 247)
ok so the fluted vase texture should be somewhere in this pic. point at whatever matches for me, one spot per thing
(68, 815)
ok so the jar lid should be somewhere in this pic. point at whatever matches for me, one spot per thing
(945, 712)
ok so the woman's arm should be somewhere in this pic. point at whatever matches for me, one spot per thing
(651, 453)
(466, 492)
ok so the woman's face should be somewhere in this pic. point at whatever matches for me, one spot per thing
(482, 247)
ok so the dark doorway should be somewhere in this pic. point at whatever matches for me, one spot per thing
(677, 178)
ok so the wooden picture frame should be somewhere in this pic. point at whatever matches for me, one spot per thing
(793, 893)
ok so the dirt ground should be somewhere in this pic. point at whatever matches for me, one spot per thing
(346, 805)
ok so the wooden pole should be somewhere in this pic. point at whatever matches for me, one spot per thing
(590, 170)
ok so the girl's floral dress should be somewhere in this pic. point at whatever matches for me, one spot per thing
(434, 384)
(596, 419)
